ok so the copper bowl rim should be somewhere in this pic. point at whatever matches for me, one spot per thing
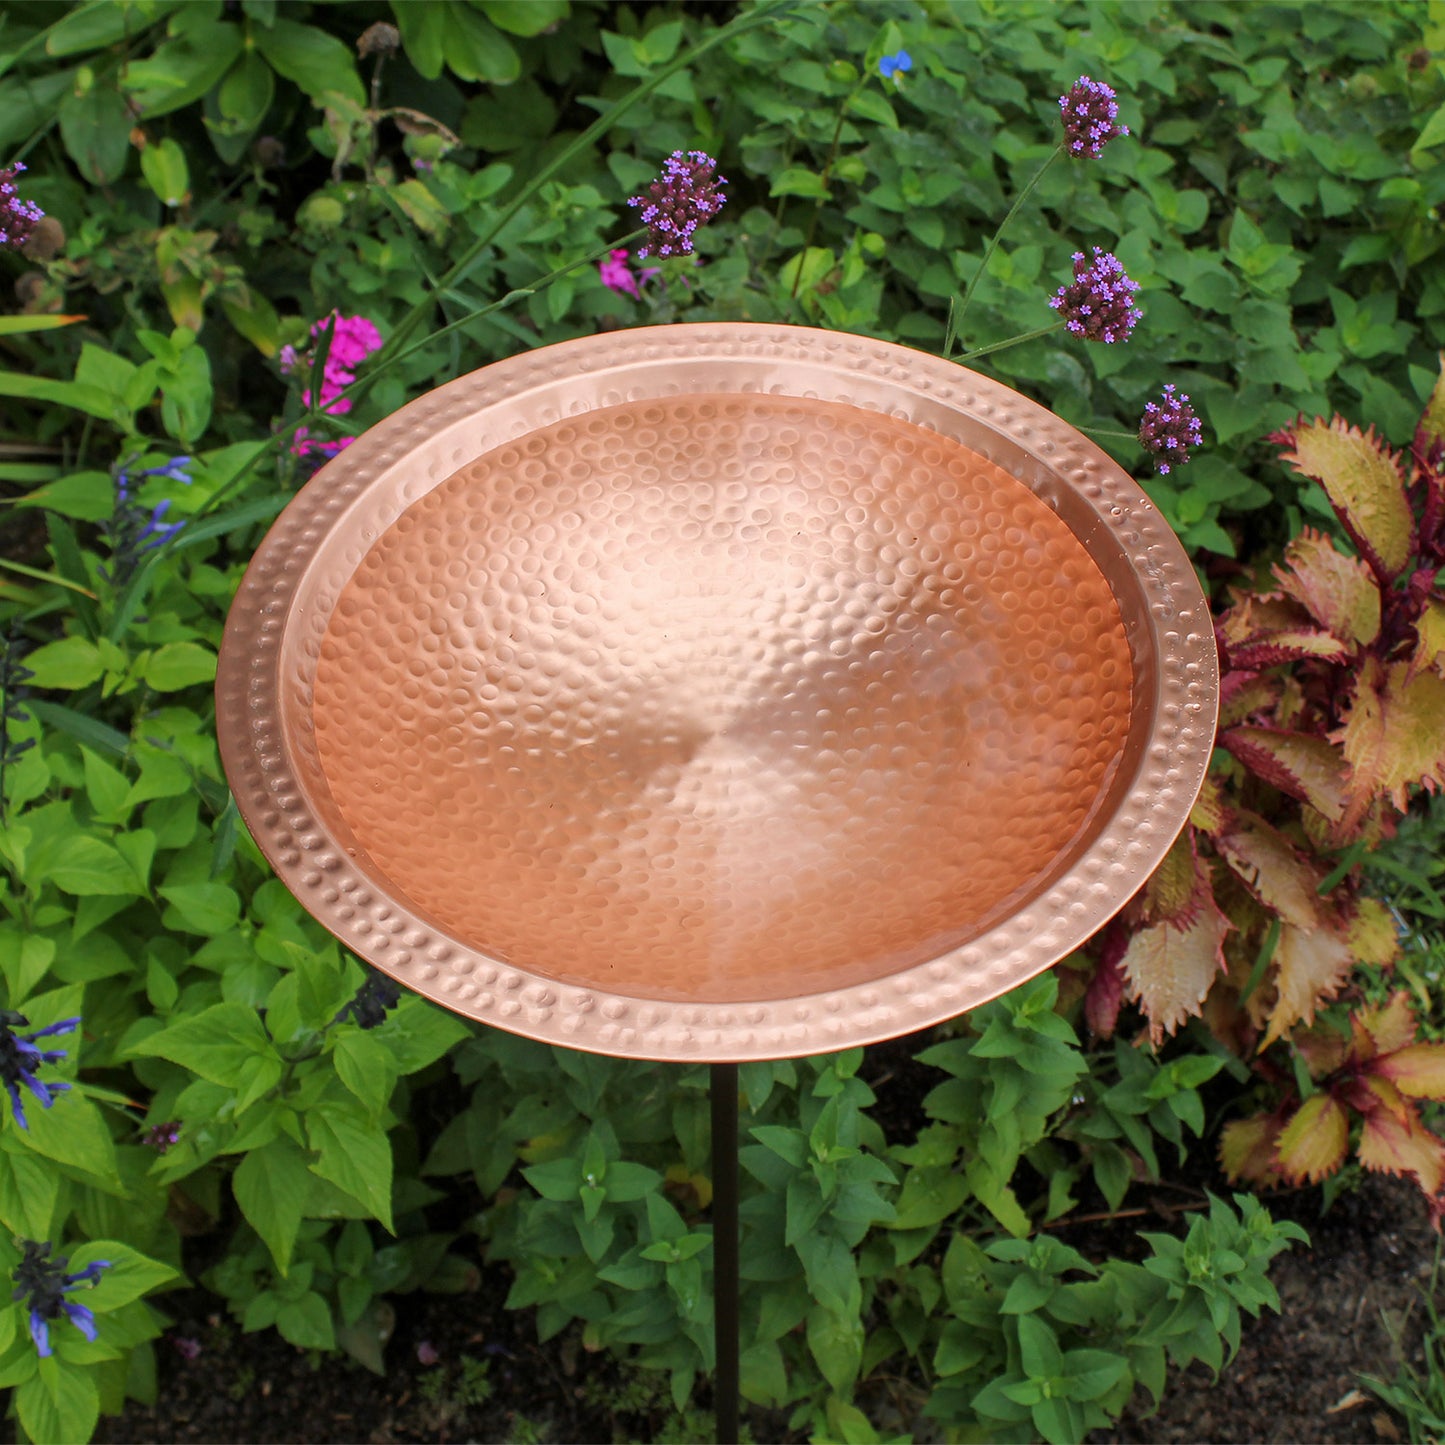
(402, 457)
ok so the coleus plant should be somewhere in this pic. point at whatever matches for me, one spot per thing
(1332, 714)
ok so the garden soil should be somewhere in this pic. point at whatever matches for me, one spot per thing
(462, 1368)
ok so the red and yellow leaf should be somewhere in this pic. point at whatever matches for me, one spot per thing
(1310, 964)
(1209, 812)
(1324, 1049)
(1363, 481)
(1306, 767)
(1417, 1071)
(1433, 422)
(1247, 1150)
(1386, 1029)
(1178, 886)
(1272, 868)
(1371, 932)
(1394, 736)
(1430, 637)
(1296, 644)
(1392, 1145)
(1340, 592)
(1170, 968)
(1314, 1142)
(1242, 694)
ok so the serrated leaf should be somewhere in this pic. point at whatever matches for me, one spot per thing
(1394, 737)
(1313, 1143)
(836, 1343)
(59, 1402)
(218, 1043)
(1272, 868)
(1418, 1070)
(1247, 1150)
(1432, 423)
(1170, 968)
(1306, 767)
(1390, 1145)
(1340, 592)
(1310, 964)
(1371, 932)
(175, 665)
(1429, 637)
(1172, 887)
(72, 662)
(1386, 1029)
(1363, 482)
(1294, 644)
(366, 1067)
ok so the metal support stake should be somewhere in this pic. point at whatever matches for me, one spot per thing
(723, 1095)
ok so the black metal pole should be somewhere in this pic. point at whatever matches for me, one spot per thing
(723, 1095)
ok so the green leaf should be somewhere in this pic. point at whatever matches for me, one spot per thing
(28, 1191)
(86, 496)
(218, 1043)
(418, 1033)
(24, 958)
(538, 15)
(312, 59)
(836, 1342)
(73, 1132)
(306, 1322)
(164, 167)
(271, 1186)
(59, 1402)
(873, 106)
(355, 1155)
(366, 1067)
(206, 908)
(799, 181)
(1039, 1350)
(131, 1274)
(72, 662)
(95, 128)
(85, 866)
(1433, 133)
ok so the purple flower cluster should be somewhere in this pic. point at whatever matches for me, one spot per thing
(616, 275)
(160, 1137)
(20, 1061)
(1169, 429)
(352, 341)
(1091, 117)
(43, 1283)
(1099, 304)
(17, 218)
(683, 198)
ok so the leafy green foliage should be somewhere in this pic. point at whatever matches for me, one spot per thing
(220, 177)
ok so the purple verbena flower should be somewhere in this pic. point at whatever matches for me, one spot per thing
(43, 1283)
(427, 1353)
(1168, 430)
(683, 198)
(891, 65)
(1091, 117)
(160, 1137)
(20, 1060)
(17, 218)
(1099, 304)
(186, 1347)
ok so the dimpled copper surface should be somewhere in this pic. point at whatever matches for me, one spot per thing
(728, 697)
(717, 691)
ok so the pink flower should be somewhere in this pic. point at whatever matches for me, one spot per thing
(353, 339)
(614, 274)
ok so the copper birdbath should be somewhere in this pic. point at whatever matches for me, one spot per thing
(717, 692)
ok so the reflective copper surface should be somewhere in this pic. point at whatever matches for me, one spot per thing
(717, 691)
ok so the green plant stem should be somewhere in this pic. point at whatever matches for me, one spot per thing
(749, 20)
(1117, 436)
(1012, 341)
(1023, 195)
(827, 171)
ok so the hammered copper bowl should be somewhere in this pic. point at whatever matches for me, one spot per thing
(717, 692)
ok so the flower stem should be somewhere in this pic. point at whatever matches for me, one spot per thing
(956, 320)
(1117, 436)
(1012, 341)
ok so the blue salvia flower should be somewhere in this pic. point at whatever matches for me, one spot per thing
(43, 1283)
(20, 1059)
(130, 531)
(897, 64)
(372, 1002)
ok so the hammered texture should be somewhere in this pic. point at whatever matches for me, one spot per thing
(718, 691)
(720, 698)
